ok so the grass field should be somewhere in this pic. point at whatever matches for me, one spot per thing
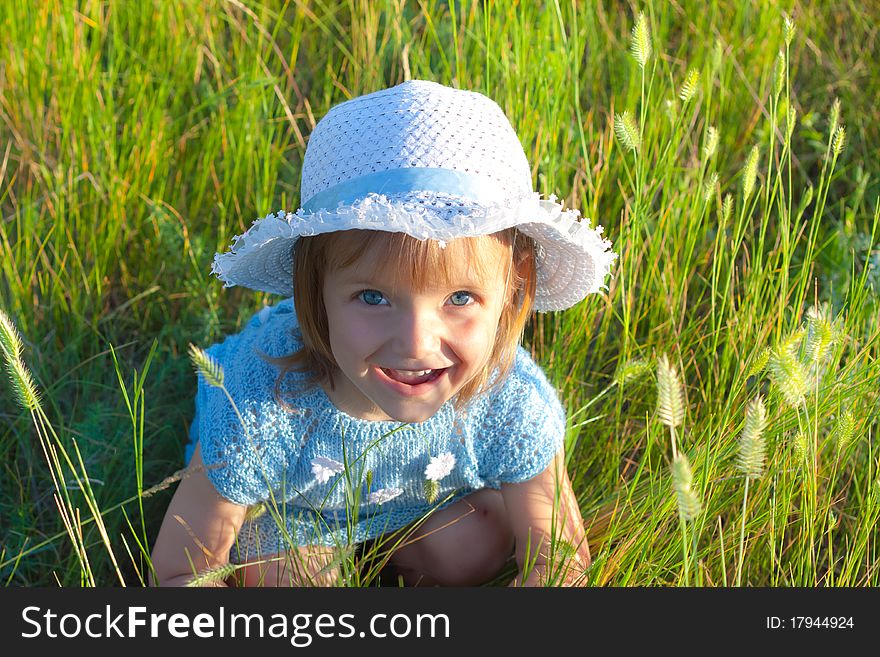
(729, 149)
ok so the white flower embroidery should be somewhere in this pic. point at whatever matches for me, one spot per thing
(383, 495)
(324, 468)
(440, 466)
(441, 244)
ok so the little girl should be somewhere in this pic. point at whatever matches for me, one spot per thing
(387, 402)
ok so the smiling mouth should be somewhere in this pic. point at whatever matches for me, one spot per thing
(413, 377)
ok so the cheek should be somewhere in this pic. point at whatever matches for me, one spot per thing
(474, 340)
(351, 338)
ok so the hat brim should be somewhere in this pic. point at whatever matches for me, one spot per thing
(573, 259)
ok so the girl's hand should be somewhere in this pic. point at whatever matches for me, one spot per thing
(573, 575)
(534, 579)
(560, 559)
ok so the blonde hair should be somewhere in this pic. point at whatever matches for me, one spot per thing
(422, 262)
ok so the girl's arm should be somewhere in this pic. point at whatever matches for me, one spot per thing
(198, 531)
(530, 505)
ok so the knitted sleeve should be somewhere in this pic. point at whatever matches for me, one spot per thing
(523, 426)
(249, 444)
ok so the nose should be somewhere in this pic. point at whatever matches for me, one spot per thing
(418, 334)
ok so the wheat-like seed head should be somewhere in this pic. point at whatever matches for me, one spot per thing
(845, 430)
(631, 370)
(839, 140)
(788, 29)
(10, 340)
(801, 446)
(689, 506)
(779, 74)
(760, 362)
(709, 187)
(213, 575)
(820, 312)
(750, 173)
(821, 334)
(23, 385)
(627, 131)
(750, 459)
(640, 43)
(726, 208)
(670, 406)
(790, 123)
(209, 368)
(792, 343)
(834, 117)
(670, 109)
(808, 196)
(711, 144)
(173, 478)
(255, 511)
(689, 88)
(790, 376)
(432, 488)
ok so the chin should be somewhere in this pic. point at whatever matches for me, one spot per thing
(412, 415)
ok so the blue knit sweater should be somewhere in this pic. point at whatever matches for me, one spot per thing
(291, 461)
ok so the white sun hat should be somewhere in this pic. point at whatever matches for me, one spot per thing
(431, 161)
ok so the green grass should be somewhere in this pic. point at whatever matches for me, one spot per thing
(137, 138)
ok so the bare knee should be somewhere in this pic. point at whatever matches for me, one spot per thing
(465, 544)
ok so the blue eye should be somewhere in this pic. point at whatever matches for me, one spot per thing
(460, 298)
(372, 297)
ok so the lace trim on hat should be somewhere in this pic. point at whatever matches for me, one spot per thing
(425, 215)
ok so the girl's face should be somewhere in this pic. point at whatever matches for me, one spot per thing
(402, 353)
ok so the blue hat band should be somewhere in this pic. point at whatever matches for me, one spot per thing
(412, 179)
